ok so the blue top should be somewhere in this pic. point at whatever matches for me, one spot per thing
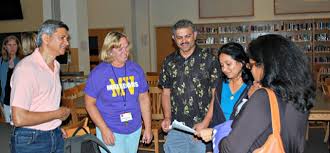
(228, 99)
(4, 65)
(116, 91)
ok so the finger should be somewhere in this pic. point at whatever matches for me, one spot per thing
(64, 135)
(149, 140)
(106, 141)
(113, 139)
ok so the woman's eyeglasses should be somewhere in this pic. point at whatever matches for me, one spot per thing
(251, 65)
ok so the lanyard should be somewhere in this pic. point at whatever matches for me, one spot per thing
(124, 97)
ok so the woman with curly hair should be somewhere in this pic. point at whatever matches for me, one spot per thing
(278, 64)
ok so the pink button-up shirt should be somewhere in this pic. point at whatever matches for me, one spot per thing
(36, 88)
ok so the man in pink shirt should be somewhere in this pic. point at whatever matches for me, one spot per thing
(36, 94)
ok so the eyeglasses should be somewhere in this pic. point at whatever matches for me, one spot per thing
(251, 65)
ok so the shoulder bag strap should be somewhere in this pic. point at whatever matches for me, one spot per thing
(275, 113)
(89, 137)
(78, 129)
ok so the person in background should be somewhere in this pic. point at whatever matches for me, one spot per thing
(11, 53)
(117, 96)
(232, 90)
(36, 94)
(188, 77)
(278, 64)
(28, 40)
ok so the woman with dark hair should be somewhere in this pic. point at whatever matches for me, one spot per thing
(232, 90)
(234, 84)
(278, 64)
(11, 53)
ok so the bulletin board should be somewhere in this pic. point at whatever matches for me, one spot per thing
(225, 8)
(301, 6)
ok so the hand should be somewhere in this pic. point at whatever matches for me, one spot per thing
(64, 113)
(256, 85)
(199, 126)
(205, 134)
(107, 136)
(221, 131)
(147, 136)
(64, 135)
(166, 124)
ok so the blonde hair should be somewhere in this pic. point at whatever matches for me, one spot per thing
(4, 52)
(111, 41)
(28, 42)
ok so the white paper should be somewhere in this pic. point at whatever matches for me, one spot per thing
(180, 126)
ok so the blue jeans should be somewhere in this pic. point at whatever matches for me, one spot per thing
(24, 140)
(181, 142)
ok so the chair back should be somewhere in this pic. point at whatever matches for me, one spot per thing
(69, 103)
(70, 93)
(70, 130)
(81, 88)
(156, 103)
(152, 80)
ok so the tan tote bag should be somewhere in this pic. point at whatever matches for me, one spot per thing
(274, 142)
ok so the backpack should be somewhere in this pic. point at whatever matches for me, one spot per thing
(87, 143)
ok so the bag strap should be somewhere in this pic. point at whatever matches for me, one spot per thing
(89, 137)
(275, 113)
(78, 129)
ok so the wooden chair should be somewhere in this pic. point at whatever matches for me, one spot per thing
(157, 117)
(152, 73)
(69, 130)
(70, 93)
(322, 124)
(81, 88)
(72, 99)
(152, 80)
(69, 103)
(156, 103)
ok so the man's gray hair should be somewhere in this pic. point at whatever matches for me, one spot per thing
(49, 27)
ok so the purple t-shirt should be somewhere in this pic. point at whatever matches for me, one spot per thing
(116, 91)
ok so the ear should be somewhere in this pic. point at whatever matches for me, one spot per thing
(195, 35)
(173, 37)
(45, 38)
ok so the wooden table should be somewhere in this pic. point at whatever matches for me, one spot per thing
(321, 112)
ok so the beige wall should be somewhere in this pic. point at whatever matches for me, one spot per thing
(32, 14)
(110, 14)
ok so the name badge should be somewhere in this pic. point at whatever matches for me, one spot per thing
(125, 117)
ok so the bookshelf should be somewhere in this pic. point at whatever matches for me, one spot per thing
(311, 35)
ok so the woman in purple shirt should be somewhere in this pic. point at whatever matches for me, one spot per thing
(117, 97)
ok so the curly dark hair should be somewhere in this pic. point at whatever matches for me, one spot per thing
(286, 70)
(236, 51)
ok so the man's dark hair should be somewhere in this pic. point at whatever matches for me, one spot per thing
(183, 23)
